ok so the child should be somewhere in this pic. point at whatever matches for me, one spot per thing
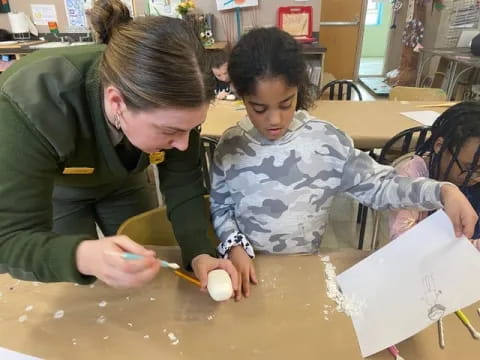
(223, 90)
(451, 153)
(276, 173)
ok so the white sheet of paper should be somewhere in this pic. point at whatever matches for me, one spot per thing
(426, 117)
(407, 285)
(6, 354)
(43, 13)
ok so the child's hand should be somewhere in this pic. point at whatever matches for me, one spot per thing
(244, 265)
(476, 243)
(222, 95)
(459, 209)
(99, 258)
(203, 264)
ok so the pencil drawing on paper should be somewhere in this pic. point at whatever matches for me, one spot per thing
(435, 310)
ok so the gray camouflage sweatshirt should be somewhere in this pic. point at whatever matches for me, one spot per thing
(276, 195)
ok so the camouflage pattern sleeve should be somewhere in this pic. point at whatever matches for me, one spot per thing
(381, 188)
(222, 209)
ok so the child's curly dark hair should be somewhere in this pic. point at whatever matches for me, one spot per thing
(268, 53)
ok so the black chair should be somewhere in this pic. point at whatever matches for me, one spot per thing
(208, 146)
(344, 87)
(405, 142)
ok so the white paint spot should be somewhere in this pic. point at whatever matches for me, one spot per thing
(262, 280)
(22, 318)
(210, 317)
(92, 286)
(74, 341)
(29, 308)
(102, 303)
(348, 305)
(105, 337)
(307, 304)
(175, 342)
(130, 324)
(326, 317)
(76, 284)
(172, 336)
(325, 258)
(325, 312)
(101, 319)
(164, 330)
(127, 298)
(152, 299)
(36, 283)
(146, 336)
(58, 314)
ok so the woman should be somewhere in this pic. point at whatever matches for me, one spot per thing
(77, 126)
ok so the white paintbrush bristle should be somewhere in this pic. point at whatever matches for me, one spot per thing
(173, 266)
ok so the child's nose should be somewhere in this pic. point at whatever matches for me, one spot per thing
(274, 118)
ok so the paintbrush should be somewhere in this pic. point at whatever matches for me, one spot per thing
(395, 352)
(441, 334)
(165, 264)
(131, 256)
(468, 324)
(187, 277)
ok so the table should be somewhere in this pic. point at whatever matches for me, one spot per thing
(456, 56)
(283, 319)
(370, 123)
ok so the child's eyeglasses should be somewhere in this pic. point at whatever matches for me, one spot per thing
(464, 169)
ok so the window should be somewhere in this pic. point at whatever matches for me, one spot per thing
(374, 13)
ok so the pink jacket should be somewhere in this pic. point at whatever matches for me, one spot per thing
(402, 220)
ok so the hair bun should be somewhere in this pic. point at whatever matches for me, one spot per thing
(106, 16)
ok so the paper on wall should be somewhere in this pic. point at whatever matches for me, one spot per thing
(43, 13)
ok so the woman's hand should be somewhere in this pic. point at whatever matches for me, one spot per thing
(103, 259)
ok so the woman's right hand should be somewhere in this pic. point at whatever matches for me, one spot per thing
(102, 259)
(244, 265)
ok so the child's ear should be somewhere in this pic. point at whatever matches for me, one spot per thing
(438, 145)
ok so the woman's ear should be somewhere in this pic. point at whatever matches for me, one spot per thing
(438, 145)
(114, 100)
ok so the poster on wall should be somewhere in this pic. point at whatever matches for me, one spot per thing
(163, 7)
(232, 4)
(43, 13)
(87, 5)
(75, 14)
(4, 6)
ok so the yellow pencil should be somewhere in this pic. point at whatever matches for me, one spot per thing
(467, 323)
(187, 277)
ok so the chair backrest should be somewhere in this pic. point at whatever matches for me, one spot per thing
(208, 146)
(405, 142)
(343, 89)
(154, 228)
(405, 93)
